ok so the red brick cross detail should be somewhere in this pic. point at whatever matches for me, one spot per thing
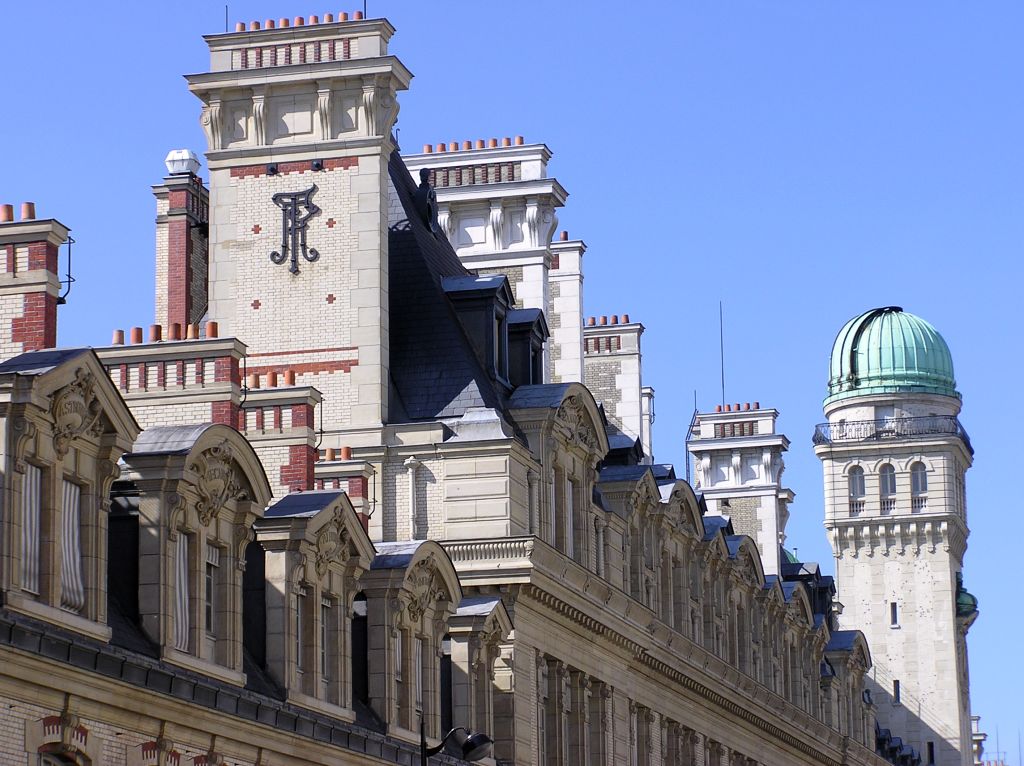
(330, 298)
(256, 304)
(330, 223)
(256, 229)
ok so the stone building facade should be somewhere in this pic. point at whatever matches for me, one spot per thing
(368, 490)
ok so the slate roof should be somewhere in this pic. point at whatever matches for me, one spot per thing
(395, 555)
(547, 395)
(842, 641)
(477, 606)
(623, 473)
(712, 525)
(40, 362)
(307, 503)
(169, 440)
(434, 370)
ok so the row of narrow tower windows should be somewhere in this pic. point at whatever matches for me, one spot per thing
(887, 485)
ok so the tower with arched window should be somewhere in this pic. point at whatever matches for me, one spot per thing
(894, 456)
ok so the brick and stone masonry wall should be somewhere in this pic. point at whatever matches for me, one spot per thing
(281, 316)
(29, 285)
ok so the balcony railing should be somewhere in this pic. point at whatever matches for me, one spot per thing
(891, 428)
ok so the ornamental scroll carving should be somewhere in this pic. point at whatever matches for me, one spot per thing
(572, 420)
(217, 482)
(332, 545)
(422, 590)
(76, 410)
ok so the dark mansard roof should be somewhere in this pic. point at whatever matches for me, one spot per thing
(434, 370)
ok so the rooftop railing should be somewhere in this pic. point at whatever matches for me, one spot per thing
(891, 428)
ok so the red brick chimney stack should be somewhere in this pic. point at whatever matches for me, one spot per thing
(28, 303)
(182, 242)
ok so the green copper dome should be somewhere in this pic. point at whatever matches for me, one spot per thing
(887, 351)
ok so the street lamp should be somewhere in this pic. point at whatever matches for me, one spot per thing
(473, 746)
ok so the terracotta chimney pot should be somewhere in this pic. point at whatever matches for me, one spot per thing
(604, 320)
(283, 23)
(591, 321)
(442, 148)
(357, 16)
(314, 19)
(254, 25)
(343, 16)
(479, 143)
(428, 148)
(564, 236)
(332, 454)
(492, 143)
(718, 408)
(6, 213)
(625, 319)
(519, 140)
(28, 211)
(289, 377)
(239, 26)
(118, 339)
(299, 22)
(728, 408)
(346, 453)
(269, 23)
(615, 318)
(328, 18)
(253, 380)
(136, 335)
(272, 379)
(736, 407)
(746, 406)
(467, 145)
(757, 405)
(155, 333)
(175, 331)
(192, 332)
(506, 141)
(212, 328)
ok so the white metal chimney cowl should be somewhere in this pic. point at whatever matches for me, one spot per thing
(181, 161)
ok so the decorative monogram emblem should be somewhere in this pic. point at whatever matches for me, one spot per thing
(296, 210)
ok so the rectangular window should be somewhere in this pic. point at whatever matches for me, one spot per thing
(300, 617)
(181, 594)
(31, 524)
(417, 658)
(325, 636)
(72, 583)
(894, 613)
(210, 590)
(895, 692)
(931, 752)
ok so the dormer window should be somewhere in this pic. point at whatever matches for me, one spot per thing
(483, 304)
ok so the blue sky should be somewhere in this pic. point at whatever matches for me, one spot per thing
(800, 160)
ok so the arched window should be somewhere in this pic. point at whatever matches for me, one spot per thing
(887, 488)
(855, 480)
(918, 487)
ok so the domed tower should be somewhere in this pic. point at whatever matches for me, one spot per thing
(894, 456)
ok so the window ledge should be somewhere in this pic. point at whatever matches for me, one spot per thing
(322, 706)
(65, 619)
(203, 667)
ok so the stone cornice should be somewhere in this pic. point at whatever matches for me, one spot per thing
(897, 534)
(560, 585)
